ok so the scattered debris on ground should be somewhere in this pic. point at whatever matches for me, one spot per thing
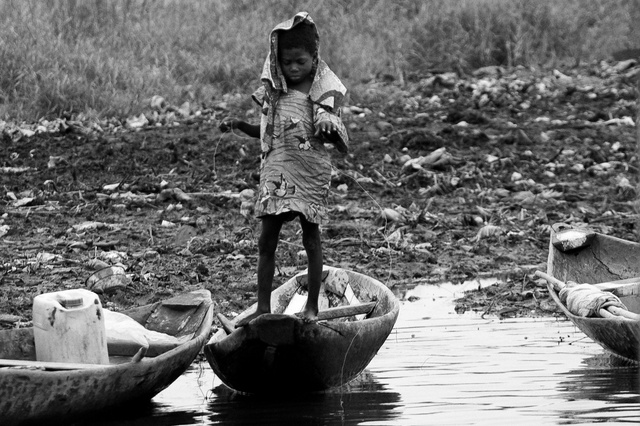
(449, 179)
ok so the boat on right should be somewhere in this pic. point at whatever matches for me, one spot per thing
(595, 281)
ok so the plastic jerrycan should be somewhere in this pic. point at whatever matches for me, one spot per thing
(68, 326)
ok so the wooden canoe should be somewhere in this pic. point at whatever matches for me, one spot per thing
(39, 392)
(280, 352)
(611, 264)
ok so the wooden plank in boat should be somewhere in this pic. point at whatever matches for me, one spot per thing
(327, 314)
(346, 311)
(227, 324)
(49, 365)
(627, 287)
(572, 239)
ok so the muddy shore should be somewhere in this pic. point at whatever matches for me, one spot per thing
(448, 179)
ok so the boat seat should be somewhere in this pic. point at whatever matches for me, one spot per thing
(626, 287)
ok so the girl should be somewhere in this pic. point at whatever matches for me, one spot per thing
(300, 100)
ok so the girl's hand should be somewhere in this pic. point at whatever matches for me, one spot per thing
(228, 125)
(326, 128)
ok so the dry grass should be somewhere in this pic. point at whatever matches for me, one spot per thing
(107, 57)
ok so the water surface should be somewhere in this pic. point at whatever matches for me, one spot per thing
(436, 368)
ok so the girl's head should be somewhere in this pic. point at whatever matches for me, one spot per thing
(302, 36)
(297, 52)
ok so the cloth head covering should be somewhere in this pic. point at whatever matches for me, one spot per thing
(326, 90)
(326, 93)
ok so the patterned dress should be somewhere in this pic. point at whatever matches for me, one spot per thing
(295, 173)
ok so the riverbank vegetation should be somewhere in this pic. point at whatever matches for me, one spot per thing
(107, 58)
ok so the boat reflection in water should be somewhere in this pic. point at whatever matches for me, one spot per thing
(604, 389)
(363, 400)
(437, 367)
(146, 414)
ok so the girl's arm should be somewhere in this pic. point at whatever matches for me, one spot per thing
(252, 130)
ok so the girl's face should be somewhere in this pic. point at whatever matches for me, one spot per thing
(296, 64)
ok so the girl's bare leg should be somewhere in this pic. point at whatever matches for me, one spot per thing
(313, 246)
(267, 244)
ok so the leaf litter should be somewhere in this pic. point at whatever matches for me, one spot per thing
(449, 179)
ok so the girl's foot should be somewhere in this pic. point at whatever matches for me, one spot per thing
(308, 316)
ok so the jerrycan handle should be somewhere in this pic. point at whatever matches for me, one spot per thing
(71, 303)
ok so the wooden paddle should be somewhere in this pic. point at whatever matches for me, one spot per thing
(346, 311)
(327, 314)
(610, 312)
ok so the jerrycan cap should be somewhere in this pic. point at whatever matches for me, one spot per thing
(70, 303)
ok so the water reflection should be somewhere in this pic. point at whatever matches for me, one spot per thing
(150, 413)
(363, 400)
(437, 367)
(465, 369)
(603, 389)
(182, 403)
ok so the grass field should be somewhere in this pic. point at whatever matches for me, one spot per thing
(106, 58)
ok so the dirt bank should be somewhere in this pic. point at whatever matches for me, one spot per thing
(449, 179)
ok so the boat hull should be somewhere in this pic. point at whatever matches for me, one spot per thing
(38, 395)
(603, 259)
(283, 353)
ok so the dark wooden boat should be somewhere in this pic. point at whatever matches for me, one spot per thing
(43, 392)
(282, 353)
(610, 264)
